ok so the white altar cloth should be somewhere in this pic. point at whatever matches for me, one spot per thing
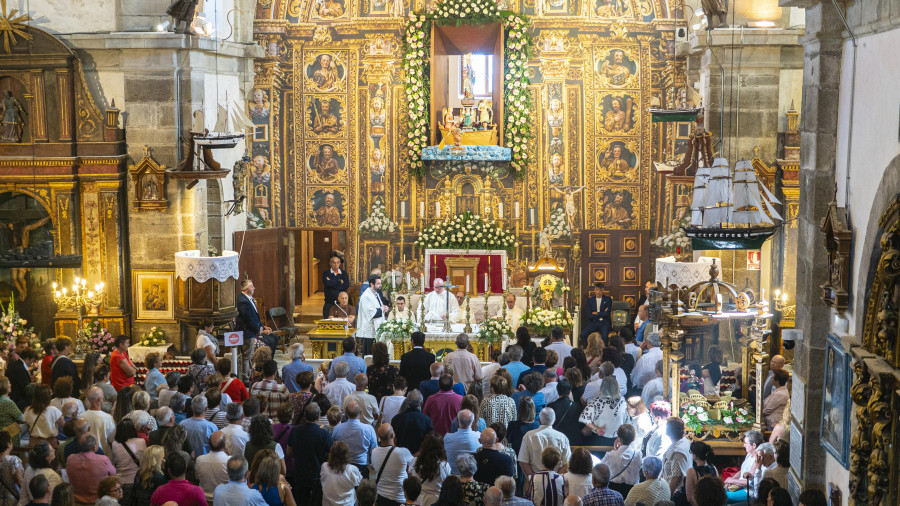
(139, 353)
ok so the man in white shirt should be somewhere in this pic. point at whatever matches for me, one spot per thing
(465, 365)
(514, 313)
(436, 304)
(677, 459)
(102, 424)
(550, 382)
(645, 368)
(393, 472)
(340, 387)
(558, 345)
(211, 470)
(624, 461)
(627, 336)
(776, 363)
(371, 310)
(536, 441)
(654, 388)
(488, 371)
(368, 404)
(401, 311)
(235, 436)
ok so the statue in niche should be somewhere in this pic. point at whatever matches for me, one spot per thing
(325, 164)
(613, 8)
(449, 119)
(398, 7)
(555, 117)
(13, 115)
(183, 12)
(617, 209)
(238, 172)
(468, 77)
(618, 118)
(376, 168)
(484, 112)
(21, 238)
(327, 75)
(557, 171)
(615, 69)
(618, 161)
(716, 12)
(329, 8)
(261, 171)
(377, 120)
(150, 186)
(324, 120)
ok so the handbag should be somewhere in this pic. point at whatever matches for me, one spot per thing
(12, 429)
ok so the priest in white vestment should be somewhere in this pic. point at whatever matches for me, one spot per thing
(401, 310)
(370, 310)
(436, 304)
(513, 312)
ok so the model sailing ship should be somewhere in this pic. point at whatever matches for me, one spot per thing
(731, 212)
(231, 126)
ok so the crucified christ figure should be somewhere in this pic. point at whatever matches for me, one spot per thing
(21, 237)
(569, 204)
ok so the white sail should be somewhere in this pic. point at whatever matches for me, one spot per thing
(198, 123)
(772, 212)
(769, 195)
(699, 196)
(221, 120)
(718, 186)
(239, 120)
(747, 203)
(715, 216)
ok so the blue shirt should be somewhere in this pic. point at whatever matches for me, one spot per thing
(233, 492)
(153, 381)
(538, 399)
(198, 432)
(357, 365)
(290, 371)
(458, 443)
(515, 369)
(360, 438)
(480, 425)
(639, 335)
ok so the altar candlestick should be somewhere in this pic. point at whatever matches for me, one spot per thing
(422, 283)
(437, 209)
(408, 283)
(467, 283)
(500, 210)
(485, 282)
(402, 209)
(533, 222)
(422, 209)
(517, 210)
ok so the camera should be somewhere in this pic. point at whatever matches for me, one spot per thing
(789, 338)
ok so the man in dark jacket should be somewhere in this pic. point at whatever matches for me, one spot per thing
(334, 281)
(411, 426)
(597, 311)
(415, 364)
(63, 366)
(249, 323)
(309, 444)
(19, 377)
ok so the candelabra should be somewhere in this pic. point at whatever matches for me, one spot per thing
(468, 328)
(421, 295)
(79, 299)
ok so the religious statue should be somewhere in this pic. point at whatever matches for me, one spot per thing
(13, 118)
(327, 75)
(557, 172)
(261, 171)
(259, 107)
(468, 77)
(615, 214)
(449, 120)
(329, 8)
(571, 210)
(613, 8)
(467, 117)
(484, 112)
(699, 147)
(376, 168)
(618, 119)
(555, 118)
(21, 237)
(616, 167)
(457, 137)
(150, 188)
(616, 71)
(238, 172)
(327, 214)
(324, 121)
(183, 12)
(325, 165)
(377, 120)
(716, 13)
(397, 8)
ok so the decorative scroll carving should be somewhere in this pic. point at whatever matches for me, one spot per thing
(860, 447)
(879, 410)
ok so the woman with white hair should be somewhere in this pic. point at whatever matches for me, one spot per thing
(474, 490)
(606, 412)
(652, 490)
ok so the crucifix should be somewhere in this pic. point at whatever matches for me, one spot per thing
(569, 203)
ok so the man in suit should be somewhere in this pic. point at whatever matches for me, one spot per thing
(415, 364)
(63, 366)
(335, 281)
(597, 310)
(19, 376)
(248, 321)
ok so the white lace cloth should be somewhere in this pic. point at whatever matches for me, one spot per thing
(189, 264)
(139, 353)
(682, 273)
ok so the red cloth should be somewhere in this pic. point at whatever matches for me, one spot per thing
(46, 371)
(236, 390)
(496, 271)
(179, 491)
(86, 470)
(116, 375)
(442, 408)
(728, 472)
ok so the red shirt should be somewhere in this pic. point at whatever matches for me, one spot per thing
(46, 371)
(116, 375)
(86, 470)
(442, 408)
(236, 390)
(179, 491)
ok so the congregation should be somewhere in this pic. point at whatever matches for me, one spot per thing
(521, 430)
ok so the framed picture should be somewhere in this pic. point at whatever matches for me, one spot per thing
(836, 405)
(154, 295)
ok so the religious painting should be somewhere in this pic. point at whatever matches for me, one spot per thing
(618, 114)
(376, 170)
(149, 183)
(154, 295)
(326, 208)
(617, 208)
(836, 405)
(618, 69)
(326, 162)
(557, 170)
(324, 116)
(325, 72)
(377, 256)
(259, 106)
(613, 9)
(619, 161)
(328, 9)
(556, 7)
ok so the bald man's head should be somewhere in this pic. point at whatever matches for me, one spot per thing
(493, 497)
(776, 363)
(436, 369)
(385, 434)
(95, 398)
(572, 500)
(362, 381)
(352, 409)
(217, 441)
(488, 438)
(81, 426)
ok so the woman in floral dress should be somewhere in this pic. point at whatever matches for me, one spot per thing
(473, 490)
(498, 407)
(381, 373)
(11, 472)
(606, 412)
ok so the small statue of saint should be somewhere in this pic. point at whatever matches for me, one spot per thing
(468, 77)
(13, 115)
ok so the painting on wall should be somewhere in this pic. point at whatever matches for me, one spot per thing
(836, 406)
(618, 69)
(154, 295)
(325, 162)
(618, 114)
(618, 208)
(327, 208)
(613, 9)
(325, 72)
(618, 162)
(325, 116)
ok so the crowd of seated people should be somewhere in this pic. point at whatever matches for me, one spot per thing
(429, 432)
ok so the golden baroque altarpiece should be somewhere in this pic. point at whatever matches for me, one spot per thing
(332, 139)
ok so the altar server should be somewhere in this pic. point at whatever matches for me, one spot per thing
(436, 304)
(513, 312)
(370, 311)
(401, 311)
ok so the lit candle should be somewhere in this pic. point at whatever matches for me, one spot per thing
(531, 212)
(422, 283)
(394, 279)
(719, 303)
(437, 209)
(408, 283)
(402, 209)
(467, 283)
(500, 209)
(485, 282)
(54, 285)
(517, 210)
(422, 209)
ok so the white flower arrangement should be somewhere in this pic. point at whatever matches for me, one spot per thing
(377, 224)
(13, 326)
(517, 102)
(674, 240)
(495, 330)
(542, 320)
(558, 226)
(154, 337)
(467, 231)
(395, 330)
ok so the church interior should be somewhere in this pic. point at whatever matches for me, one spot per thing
(706, 158)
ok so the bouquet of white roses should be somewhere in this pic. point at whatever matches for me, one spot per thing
(377, 224)
(155, 337)
(558, 226)
(395, 330)
(466, 231)
(13, 326)
(543, 320)
(495, 330)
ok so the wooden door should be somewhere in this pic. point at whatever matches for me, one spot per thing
(264, 259)
(620, 259)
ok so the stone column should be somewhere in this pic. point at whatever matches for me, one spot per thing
(819, 123)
